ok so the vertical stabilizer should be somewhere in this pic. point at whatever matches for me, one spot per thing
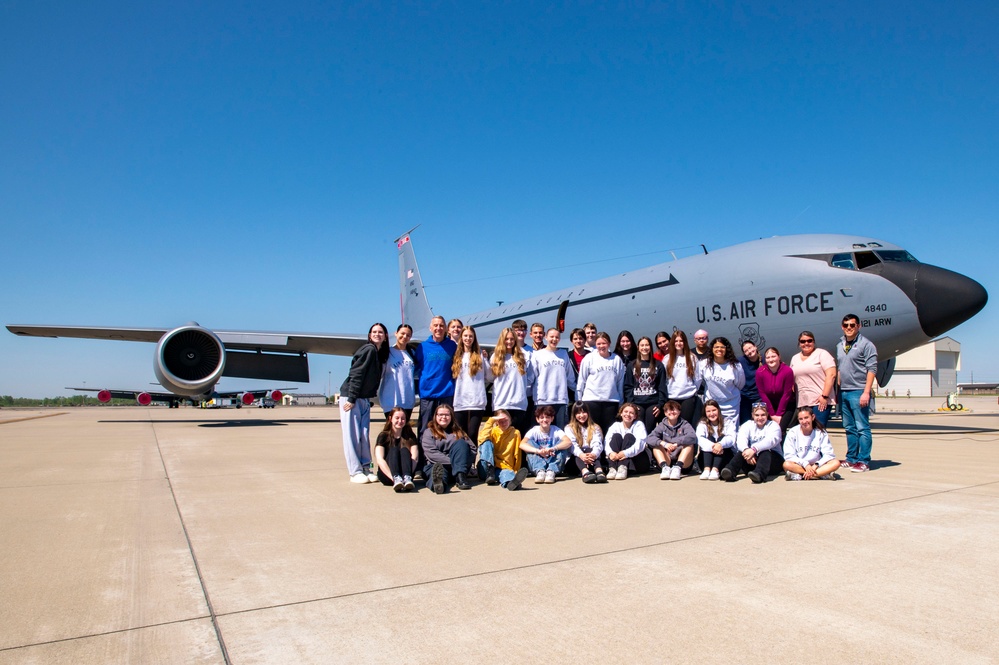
(412, 298)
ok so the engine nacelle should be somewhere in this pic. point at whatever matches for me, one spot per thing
(103, 396)
(247, 399)
(189, 360)
(275, 395)
(144, 399)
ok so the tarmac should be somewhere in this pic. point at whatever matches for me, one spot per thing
(155, 535)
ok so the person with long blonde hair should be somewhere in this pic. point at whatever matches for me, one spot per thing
(511, 377)
(471, 371)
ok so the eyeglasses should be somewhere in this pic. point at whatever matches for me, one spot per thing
(806, 341)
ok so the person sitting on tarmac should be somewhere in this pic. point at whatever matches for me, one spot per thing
(396, 451)
(808, 454)
(759, 453)
(448, 451)
(499, 452)
(673, 443)
(546, 446)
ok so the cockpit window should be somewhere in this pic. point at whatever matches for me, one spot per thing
(843, 261)
(866, 260)
(896, 256)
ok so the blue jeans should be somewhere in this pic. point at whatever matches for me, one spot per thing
(856, 422)
(487, 459)
(822, 416)
(552, 463)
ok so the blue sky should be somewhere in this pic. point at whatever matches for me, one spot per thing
(247, 165)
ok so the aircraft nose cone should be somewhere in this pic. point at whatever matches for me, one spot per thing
(945, 299)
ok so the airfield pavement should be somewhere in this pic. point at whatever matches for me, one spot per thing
(151, 535)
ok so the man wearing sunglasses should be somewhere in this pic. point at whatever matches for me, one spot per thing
(857, 361)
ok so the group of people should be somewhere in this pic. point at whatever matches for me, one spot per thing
(600, 412)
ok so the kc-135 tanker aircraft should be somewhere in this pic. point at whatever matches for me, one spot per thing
(765, 290)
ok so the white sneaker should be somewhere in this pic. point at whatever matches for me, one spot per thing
(360, 479)
(622, 472)
(714, 475)
(790, 475)
(549, 477)
(675, 473)
(373, 477)
(539, 478)
(664, 473)
(612, 474)
(706, 474)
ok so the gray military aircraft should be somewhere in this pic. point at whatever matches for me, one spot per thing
(765, 290)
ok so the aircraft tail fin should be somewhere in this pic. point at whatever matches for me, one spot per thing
(412, 297)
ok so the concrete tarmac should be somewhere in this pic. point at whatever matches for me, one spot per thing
(151, 535)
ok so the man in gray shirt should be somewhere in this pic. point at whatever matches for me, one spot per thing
(857, 361)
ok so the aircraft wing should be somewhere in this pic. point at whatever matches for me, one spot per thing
(105, 395)
(333, 344)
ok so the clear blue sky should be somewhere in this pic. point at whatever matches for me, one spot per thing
(247, 165)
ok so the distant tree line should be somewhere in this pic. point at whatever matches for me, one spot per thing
(73, 400)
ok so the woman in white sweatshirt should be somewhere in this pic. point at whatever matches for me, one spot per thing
(471, 371)
(759, 447)
(601, 383)
(511, 376)
(724, 378)
(625, 440)
(808, 454)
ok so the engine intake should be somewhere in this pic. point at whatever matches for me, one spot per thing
(189, 360)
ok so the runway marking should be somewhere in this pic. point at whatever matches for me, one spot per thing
(18, 420)
(190, 548)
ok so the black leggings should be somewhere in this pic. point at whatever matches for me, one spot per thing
(716, 461)
(470, 421)
(690, 410)
(400, 463)
(768, 462)
(639, 463)
(647, 418)
(603, 414)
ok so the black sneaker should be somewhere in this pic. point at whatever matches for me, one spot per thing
(518, 480)
(589, 477)
(461, 482)
(756, 476)
(727, 475)
(437, 479)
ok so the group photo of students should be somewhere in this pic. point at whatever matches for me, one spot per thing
(602, 410)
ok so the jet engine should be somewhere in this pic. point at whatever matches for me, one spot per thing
(189, 360)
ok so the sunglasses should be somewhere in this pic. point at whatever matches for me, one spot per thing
(849, 325)
(806, 341)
